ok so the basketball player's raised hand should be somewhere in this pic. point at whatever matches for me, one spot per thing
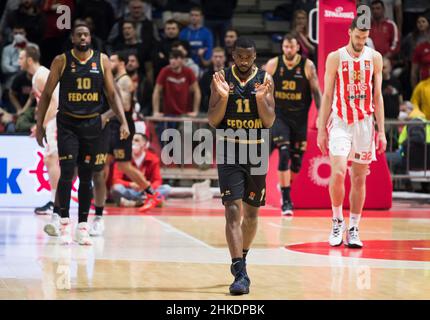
(263, 89)
(322, 141)
(221, 85)
(124, 131)
(381, 142)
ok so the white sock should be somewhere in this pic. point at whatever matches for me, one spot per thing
(53, 192)
(354, 220)
(337, 212)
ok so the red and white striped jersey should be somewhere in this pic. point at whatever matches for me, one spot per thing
(354, 86)
(40, 72)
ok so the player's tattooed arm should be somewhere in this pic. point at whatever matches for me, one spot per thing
(110, 114)
(57, 68)
(381, 140)
(125, 86)
(311, 74)
(266, 101)
(220, 91)
(332, 64)
(110, 93)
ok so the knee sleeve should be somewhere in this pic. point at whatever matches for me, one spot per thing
(297, 156)
(284, 157)
(67, 171)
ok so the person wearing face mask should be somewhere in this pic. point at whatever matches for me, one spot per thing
(10, 55)
(127, 193)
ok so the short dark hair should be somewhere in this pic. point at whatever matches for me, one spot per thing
(32, 51)
(80, 24)
(182, 43)
(197, 8)
(290, 36)
(18, 25)
(122, 56)
(175, 53)
(172, 21)
(355, 26)
(378, 2)
(245, 43)
(232, 30)
(130, 22)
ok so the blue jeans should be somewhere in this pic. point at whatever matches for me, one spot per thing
(119, 191)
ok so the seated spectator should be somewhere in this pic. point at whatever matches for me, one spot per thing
(7, 122)
(300, 26)
(171, 35)
(131, 44)
(175, 84)
(421, 97)
(420, 63)
(229, 40)
(411, 10)
(218, 15)
(184, 47)
(20, 94)
(199, 37)
(101, 14)
(391, 91)
(218, 63)
(143, 87)
(384, 32)
(127, 193)
(10, 54)
(146, 31)
(30, 16)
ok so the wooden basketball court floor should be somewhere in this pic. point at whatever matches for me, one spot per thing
(180, 252)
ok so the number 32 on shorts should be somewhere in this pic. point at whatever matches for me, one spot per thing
(366, 156)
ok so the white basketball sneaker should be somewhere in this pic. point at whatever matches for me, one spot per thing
(97, 227)
(52, 228)
(83, 235)
(65, 231)
(353, 239)
(336, 235)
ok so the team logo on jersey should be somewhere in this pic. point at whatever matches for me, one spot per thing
(281, 71)
(344, 66)
(73, 67)
(367, 64)
(94, 68)
(231, 85)
(251, 195)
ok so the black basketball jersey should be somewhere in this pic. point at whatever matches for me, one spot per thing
(241, 111)
(81, 86)
(292, 90)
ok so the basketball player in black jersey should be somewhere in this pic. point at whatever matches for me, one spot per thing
(83, 75)
(242, 102)
(296, 82)
(120, 150)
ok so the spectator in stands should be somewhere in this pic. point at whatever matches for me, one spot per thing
(171, 35)
(146, 31)
(131, 43)
(218, 63)
(199, 37)
(394, 12)
(229, 40)
(421, 97)
(125, 192)
(188, 62)
(411, 10)
(300, 26)
(53, 38)
(414, 38)
(101, 13)
(10, 54)
(383, 32)
(218, 15)
(143, 87)
(7, 123)
(420, 63)
(178, 10)
(20, 94)
(5, 30)
(29, 15)
(391, 91)
(175, 84)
